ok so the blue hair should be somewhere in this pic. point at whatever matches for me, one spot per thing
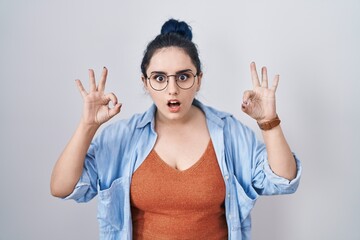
(174, 33)
(181, 28)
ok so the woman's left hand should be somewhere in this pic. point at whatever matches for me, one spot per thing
(260, 103)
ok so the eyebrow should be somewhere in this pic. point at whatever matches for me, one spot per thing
(181, 71)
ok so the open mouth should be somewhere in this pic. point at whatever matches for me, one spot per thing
(173, 103)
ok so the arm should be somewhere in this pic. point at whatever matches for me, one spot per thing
(96, 111)
(280, 157)
(259, 104)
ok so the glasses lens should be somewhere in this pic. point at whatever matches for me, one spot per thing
(158, 81)
(185, 80)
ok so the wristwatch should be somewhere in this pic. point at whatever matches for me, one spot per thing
(269, 124)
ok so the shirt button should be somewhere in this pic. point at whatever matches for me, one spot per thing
(227, 177)
(228, 195)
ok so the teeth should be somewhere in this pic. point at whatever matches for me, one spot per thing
(173, 103)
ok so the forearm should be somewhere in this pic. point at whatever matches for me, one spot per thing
(69, 166)
(280, 157)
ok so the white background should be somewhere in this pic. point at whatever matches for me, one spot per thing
(313, 45)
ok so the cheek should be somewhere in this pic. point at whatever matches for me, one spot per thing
(147, 88)
(193, 93)
(154, 95)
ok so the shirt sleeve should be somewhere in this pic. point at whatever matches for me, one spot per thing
(266, 182)
(251, 167)
(86, 187)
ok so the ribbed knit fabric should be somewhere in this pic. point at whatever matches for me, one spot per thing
(171, 204)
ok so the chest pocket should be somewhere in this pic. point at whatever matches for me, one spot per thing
(113, 213)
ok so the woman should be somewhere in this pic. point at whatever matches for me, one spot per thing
(181, 170)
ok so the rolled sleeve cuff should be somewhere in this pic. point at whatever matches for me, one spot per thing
(285, 186)
(79, 192)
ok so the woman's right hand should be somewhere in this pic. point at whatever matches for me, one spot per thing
(96, 108)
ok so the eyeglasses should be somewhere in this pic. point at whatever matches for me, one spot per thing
(159, 81)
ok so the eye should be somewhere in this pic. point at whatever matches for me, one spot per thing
(183, 77)
(159, 78)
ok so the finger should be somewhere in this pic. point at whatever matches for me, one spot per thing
(92, 80)
(115, 110)
(264, 80)
(275, 82)
(102, 82)
(81, 88)
(254, 75)
(248, 95)
(111, 97)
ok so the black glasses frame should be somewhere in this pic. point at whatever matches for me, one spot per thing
(176, 80)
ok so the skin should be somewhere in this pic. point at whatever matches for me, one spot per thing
(96, 111)
(175, 144)
(259, 103)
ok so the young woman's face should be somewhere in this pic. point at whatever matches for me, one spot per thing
(173, 102)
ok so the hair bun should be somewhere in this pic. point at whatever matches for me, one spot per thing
(178, 27)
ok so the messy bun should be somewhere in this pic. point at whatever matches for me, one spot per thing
(174, 33)
(174, 26)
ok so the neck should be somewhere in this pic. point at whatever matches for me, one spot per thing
(177, 123)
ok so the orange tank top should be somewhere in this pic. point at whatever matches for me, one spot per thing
(170, 204)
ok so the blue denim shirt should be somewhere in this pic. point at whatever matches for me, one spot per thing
(122, 146)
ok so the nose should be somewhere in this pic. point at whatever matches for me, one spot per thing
(172, 87)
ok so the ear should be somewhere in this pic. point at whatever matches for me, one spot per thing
(143, 79)
(199, 77)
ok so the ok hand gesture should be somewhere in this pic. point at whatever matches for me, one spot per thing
(259, 103)
(96, 108)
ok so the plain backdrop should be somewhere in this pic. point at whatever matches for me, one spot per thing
(312, 44)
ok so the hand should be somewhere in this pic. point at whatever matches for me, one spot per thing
(260, 103)
(96, 108)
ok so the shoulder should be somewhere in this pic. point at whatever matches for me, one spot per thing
(232, 127)
(218, 116)
(212, 114)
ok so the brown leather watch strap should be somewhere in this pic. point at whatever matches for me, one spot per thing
(269, 124)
